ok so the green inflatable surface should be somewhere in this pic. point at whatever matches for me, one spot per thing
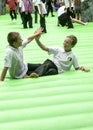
(59, 102)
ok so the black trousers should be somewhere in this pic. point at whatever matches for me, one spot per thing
(64, 20)
(47, 68)
(43, 23)
(13, 14)
(49, 8)
(32, 68)
(27, 19)
(36, 14)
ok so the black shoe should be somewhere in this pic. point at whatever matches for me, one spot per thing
(70, 27)
(31, 27)
(44, 31)
(25, 27)
(53, 15)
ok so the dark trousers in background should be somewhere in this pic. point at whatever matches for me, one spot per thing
(13, 14)
(36, 14)
(49, 9)
(27, 19)
(64, 20)
(43, 23)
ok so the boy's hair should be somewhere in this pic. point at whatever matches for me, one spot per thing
(12, 37)
(73, 39)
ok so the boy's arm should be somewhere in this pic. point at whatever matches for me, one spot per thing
(37, 33)
(43, 47)
(3, 74)
(83, 68)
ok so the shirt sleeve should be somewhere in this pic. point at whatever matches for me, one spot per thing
(75, 62)
(24, 43)
(53, 50)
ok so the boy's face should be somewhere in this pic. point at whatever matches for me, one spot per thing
(18, 43)
(67, 44)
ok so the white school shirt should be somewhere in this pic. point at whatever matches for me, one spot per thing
(34, 2)
(15, 62)
(21, 5)
(44, 11)
(61, 10)
(62, 59)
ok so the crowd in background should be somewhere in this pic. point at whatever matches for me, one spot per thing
(43, 7)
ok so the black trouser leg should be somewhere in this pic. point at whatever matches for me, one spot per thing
(25, 19)
(15, 15)
(42, 23)
(32, 67)
(51, 9)
(52, 71)
(48, 11)
(30, 20)
(70, 25)
(63, 19)
(47, 68)
(11, 14)
(36, 14)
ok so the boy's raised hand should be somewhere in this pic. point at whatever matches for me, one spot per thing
(39, 31)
